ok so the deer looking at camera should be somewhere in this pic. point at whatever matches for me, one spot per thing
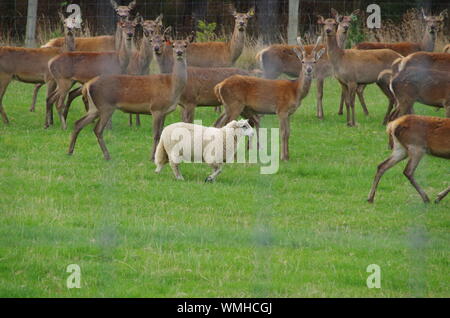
(280, 59)
(354, 67)
(412, 137)
(71, 67)
(29, 65)
(250, 95)
(155, 95)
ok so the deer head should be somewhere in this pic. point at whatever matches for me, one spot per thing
(123, 12)
(344, 21)
(434, 23)
(159, 40)
(308, 60)
(329, 25)
(179, 48)
(241, 19)
(151, 27)
(129, 27)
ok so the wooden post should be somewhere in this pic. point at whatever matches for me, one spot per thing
(30, 35)
(293, 21)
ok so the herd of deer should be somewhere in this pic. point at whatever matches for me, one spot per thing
(114, 73)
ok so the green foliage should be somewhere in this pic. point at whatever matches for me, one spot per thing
(206, 31)
(355, 33)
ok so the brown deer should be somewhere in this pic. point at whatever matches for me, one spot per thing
(29, 65)
(353, 67)
(427, 86)
(280, 59)
(412, 137)
(433, 25)
(155, 95)
(250, 95)
(71, 67)
(207, 54)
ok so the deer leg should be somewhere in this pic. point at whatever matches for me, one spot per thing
(442, 195)
(72, 95)
(52, 95)
(130, 120)
(79, 125)
(138, 120)
(157, 126)
(176, 170)
(360, 92)
(398, 154)
(389, 110)
(319, 98)
(415, 155)
(217, 170)
(218, 109)
(285, 132)
(341, 103)
(64, 86)
(447, 110)
(4, 82)
(351, 94)
(105, 117)
(35, 93)
(188, 113)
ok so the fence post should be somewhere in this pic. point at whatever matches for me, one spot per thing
(30, 36)
(293, 21)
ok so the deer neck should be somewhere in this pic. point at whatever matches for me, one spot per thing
(165, 59)
(179, 78)
(428, 41)
(124, 53)
(334, 52)
(146, 50)
(236, 44)
(341, 38)
(302, 86)
(118, 37)
(69, 42)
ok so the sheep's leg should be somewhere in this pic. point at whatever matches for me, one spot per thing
(176, 170)
(79, 125)
(415, 155)
(212, 177)
(285, 132)
(4, 82)
(105, 117)
(35, 94)
(360, 92)
(398, 154)
(442, 195)
(319, 98)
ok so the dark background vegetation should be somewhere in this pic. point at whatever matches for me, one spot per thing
(270, 22)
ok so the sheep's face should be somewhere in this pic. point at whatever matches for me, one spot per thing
(244, 128)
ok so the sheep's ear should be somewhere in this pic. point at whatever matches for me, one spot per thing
(319, 54)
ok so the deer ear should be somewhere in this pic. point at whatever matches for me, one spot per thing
(251, 12)
(443, 14)
(355, 13)
(319, 54)
(138, 19)
(114, 4)
(320, 19)
(298, 53)
(334, 13)
(61, 16)
(132, 5)
(158, 20)
(423, 14)
(191, 37)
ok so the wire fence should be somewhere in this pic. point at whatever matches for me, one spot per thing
(270, 22)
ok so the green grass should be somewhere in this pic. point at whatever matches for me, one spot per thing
(306, 231)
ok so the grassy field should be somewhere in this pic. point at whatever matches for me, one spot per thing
(306, 231)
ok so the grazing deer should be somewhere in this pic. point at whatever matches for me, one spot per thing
(250, 95)
(280, 59)
(71, 67)
(155, 95)
(412, 137)
(433, 25)
(427, 86)
(353, 67)
(29, 65)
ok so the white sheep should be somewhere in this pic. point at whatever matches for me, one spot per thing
(185, 142)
